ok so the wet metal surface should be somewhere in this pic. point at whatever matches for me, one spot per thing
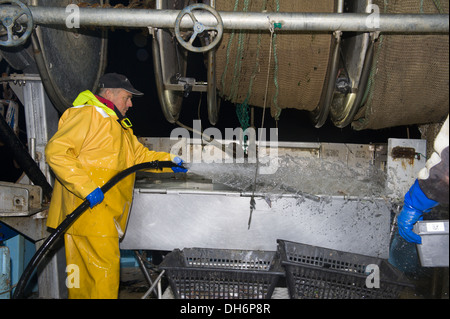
(165, 217)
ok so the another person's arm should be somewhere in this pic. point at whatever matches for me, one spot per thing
(430, 188)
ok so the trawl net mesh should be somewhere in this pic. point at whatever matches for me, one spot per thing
(409, 80)
(299, 62)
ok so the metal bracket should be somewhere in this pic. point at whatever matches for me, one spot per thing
(19, 199)
(185, 84)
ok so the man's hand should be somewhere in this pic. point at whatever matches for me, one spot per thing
(95, 197)
(179, 169)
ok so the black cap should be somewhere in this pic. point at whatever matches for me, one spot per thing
(117, 81)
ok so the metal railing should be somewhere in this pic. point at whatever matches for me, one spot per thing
(316, 22)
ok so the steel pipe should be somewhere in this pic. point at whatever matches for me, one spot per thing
(316, 22)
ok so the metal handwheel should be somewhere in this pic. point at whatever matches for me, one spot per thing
(199, 28)
(10, 21)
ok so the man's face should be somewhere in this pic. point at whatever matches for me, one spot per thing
(121, 99)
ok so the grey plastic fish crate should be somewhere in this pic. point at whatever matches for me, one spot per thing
(201, 273)
(320, 273)
(434, 250)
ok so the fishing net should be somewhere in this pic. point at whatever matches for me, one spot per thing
(409, 80)
(299, 64)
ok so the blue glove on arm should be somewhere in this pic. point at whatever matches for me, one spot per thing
(95, 197)
(416, 203)
(179, 162)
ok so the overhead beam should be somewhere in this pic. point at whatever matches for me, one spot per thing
(285, 21)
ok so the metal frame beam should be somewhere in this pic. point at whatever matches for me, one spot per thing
(309, 22)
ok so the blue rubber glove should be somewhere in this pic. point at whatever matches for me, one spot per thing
(416, 203)
(95, 197)
(178, 161)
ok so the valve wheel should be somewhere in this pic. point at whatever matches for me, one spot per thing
(10, 21)
(198, 28)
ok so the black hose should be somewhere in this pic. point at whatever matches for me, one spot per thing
(50, 241)
(23, 158)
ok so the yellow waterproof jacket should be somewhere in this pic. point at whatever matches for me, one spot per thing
(88, 149)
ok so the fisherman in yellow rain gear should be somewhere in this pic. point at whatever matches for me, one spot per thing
(93, 143)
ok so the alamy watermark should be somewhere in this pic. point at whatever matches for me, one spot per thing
(73, 17)
(73, 276)
(373, 276)
(238, 146)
